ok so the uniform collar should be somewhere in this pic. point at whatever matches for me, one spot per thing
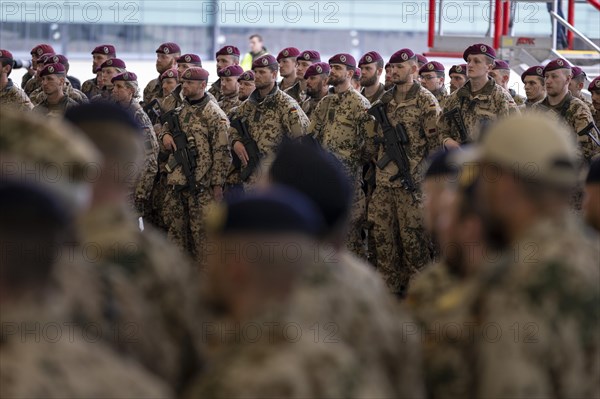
(487, 89)
(255, 99)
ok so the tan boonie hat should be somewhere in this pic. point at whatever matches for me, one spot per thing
(537, 148)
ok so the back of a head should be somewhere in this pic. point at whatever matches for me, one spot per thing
(318, 175)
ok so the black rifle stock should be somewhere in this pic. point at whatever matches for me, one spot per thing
(251, 148)
(455, 117)
(185, 154)
(153, 110)
(588, 130)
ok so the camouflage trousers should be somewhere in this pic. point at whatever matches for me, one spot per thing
(185, 215)
(157, 201)
(401, 244)
(355, 241)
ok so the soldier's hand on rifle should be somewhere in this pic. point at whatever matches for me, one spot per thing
(218, 193)
(169, 143)
(451, 144)
(240, 151)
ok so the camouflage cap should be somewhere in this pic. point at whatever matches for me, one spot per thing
(6, 54)
(479, 48)
(168, 48)
(105, 49)
(114, 63)
(309, 55)
(56, 59)
(370, 57)
(247, 76)
(401, 56)
(421, 59)
(169, 73)
(558, 63)
(264, 61)
(288, 52)
(501, 65)
(42, 49)
(228, 50)
(195, 73)
(231, 70)
(52, 69)
(316, 69)
(344, 59)
(190, 59)
(595, 84)
(125, 77)
(577, 72)
(460, 69)
(536, 70)
(432, 66)
(537, 148)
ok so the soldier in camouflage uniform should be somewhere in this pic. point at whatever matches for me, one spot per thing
(355, 81)
(594, 88)
(101, 53)
(227, 55)
(388, 77)
(287, 59)
(562, 103)
(432, 78)
(11, 95)
(205, 126)
(187, 61)
(304, 60)
(36, 53)
(402, 246)
(36, 82)
(577, 83)
(371, 66)
(480, 101)
(38, 96)
(166, 56)
(317, 87)
(269, 114)
(535, 90)
(125, 93)
(339, 124)
(458, 77)
(591, 196)
(501, 74)
(247, 86)
(109, 69)
(230, 87)
(53, 82)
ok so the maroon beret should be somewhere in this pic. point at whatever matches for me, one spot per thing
(460, 69)
(231, 70)
(576, 72)
(479, 48)
(195, 73)
(309, 55)
(190, 59)
(56, 59)
(421, 59)
(169, 73)
(42, 49)
(344, 59)
(536, 70)
(125, 77)
(106, 49)
(501, 65)
(5, 54)
(168, 48)
(316, 69)
(287, 53)
(228, 50)
(595, 84)
(432, 66)
(114, 62)
(401, 56)
(558, 63)
(248, 76)
(264, 61)
(52, 69)
(43, 58)
(357, 74)
(371, 56)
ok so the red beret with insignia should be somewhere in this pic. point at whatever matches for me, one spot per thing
(344, 59)
(536, 70)
(432, 66)
(479, 48)
(106, 49)
(576, 72)
(248, 76)
(501, 65)
(401, 56)
(42, 49)
(460, 69)
(114, 63)
(316, 69)
(56, 59)
(195, 73)
(228, 50)
(264, 61)
(595, 84)
(190, 59)
(231, 70)
(168, 48)
(309, 55)
(421, 59)
(125, 77)
(287, 53)
(558, 63)
(169, 74)
(6, 54)
(52, 69)
(370, 57)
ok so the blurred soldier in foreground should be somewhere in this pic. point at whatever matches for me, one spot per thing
(100, 54)
(166, 58)
(501, 74)
(371, 67)
(287, 67)
(591, 198)
(226, 56)
(304, 60)
(535, 90)
(317, 86)
(458, 77)
(230, 87)
(53, 82)
(11, 95)
(432, 78)
(247, 85)
(594, 88)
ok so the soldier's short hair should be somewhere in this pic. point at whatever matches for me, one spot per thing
(579, 79)
(256, 35)
(134, 85)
